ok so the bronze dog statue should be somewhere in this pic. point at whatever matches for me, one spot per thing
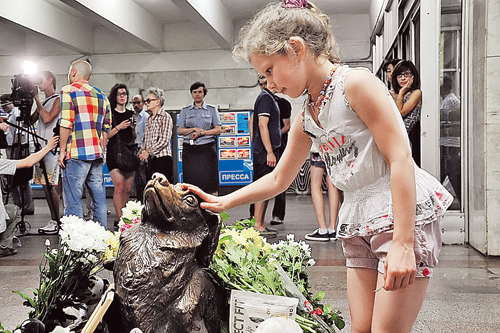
(160, 283)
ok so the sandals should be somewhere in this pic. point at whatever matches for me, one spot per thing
(269, 233)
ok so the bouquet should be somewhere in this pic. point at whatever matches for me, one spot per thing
(245, 261)
(131, 214)
(65, 270)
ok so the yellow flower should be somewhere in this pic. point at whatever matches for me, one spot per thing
(267, 248)
(240, 240)
(252, 234)
(109, 254)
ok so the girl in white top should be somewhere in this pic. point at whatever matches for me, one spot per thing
(388, 221)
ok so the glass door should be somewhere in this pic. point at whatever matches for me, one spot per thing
(450, 108)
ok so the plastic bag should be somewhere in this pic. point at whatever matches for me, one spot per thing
(248, 310)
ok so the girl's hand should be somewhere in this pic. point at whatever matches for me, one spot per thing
(52, 143)
(400, 267)
(211, 202)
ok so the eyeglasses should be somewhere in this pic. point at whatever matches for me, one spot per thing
(122, 94)
(405, 74)
(137, 102)
(263, 83)
(149, 100)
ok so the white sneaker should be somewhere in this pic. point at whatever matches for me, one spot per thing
(16, 242)
(50, 229)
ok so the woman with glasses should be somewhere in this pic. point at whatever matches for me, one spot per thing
(155, 150)
(199, 124)
(123, 126)
(406, 83)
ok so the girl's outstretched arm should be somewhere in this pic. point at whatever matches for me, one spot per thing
(271, 184)
(369, 100)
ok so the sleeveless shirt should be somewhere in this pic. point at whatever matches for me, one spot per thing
(357, 167)
(45, 130)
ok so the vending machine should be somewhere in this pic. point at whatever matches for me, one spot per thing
(234, 148)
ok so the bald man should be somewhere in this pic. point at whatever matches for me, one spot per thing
(85, 122)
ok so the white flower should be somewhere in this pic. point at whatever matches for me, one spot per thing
(290, 237)
(83, 260)
(47, 243)
(81, 235)
(311, 262)
(132, 209)
(92, 258)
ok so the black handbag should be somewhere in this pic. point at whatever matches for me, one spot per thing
(123, 155)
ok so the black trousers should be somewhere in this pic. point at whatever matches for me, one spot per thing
(162, 165)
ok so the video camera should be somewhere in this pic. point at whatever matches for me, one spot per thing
(24, 90)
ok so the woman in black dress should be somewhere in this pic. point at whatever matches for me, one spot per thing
(124, 126)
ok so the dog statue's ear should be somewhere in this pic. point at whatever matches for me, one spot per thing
(209, 245)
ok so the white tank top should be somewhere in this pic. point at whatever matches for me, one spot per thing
(45, 130)
(357, 167)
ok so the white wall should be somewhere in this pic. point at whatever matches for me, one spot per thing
(190, 55)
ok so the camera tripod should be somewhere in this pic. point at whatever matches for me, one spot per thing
(21, 150)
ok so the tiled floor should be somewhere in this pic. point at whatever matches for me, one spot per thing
(463, 296)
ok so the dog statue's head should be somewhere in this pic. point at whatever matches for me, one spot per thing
(176, 212)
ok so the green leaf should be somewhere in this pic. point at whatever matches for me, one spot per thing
(224, 216)
(225, 238)
(320, 295)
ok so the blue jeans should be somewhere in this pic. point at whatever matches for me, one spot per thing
(76, 173)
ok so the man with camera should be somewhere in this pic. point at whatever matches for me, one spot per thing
(47, 114)
(84, 126)
(17, 140)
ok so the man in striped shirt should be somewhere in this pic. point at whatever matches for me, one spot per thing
(85, 122)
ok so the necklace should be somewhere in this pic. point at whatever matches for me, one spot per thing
(322, 93)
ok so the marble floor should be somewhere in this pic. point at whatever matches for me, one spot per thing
(463, 296)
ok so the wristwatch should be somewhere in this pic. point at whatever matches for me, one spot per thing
(202, 133)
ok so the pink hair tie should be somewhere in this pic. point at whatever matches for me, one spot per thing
(296, 3)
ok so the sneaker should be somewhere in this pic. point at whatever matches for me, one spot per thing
(6, 251)
(276, 220)
(333, 235)
(50, 229)
(16, 242)
(316, 236)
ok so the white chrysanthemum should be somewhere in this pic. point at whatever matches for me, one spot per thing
(132, 209)
(290, 237)
(81, 235)
(92, 258)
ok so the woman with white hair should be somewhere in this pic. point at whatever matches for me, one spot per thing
(156, 151)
